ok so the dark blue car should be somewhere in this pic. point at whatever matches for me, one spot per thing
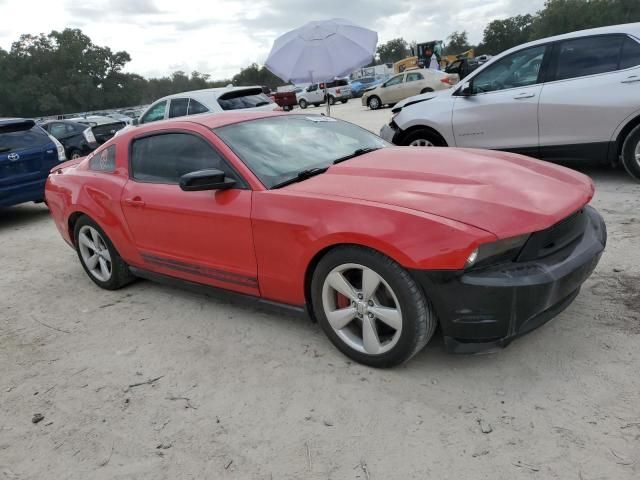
(27, 153)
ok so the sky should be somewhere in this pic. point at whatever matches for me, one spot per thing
(219, 37)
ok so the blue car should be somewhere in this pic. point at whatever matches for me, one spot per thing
(27, 153)
(360, 85)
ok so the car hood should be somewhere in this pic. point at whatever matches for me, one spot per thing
(422, 97)
(502, 193)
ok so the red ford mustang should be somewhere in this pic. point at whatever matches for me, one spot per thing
(378, 243)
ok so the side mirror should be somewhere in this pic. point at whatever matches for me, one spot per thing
(135, 121)
(466, 90)
(205, 180)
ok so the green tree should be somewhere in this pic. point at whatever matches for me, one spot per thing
(500, 35)
(457, 43)
(256, 75)
(392, 51)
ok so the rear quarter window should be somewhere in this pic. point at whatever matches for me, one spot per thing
(104, 161)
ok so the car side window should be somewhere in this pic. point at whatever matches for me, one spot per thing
(630, 54)
(196, 107)
(394, 81)
(588, 56)
(58, 130)
(178, 107)
(519, 69)
(166, 157)
(104, 161)
(412, 77)
(156, 113)
(312, 88)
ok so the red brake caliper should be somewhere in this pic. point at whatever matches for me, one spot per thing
(342, 301)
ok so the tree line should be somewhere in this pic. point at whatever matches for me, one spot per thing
(64, 71)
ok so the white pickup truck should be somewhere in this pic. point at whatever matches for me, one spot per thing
(314, 94)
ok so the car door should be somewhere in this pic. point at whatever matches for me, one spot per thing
(594, 87)
(392, 89)
(314, 94)
(201, 236)
(156, 112)
(501, 110)
(413, 84)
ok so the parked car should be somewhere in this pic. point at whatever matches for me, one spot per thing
(104, 128)
(27, 153)
(407, 84)
(210, 100)
(314, 94)
(76, 138)
(361, 84)
(574, 96)
(378, 243)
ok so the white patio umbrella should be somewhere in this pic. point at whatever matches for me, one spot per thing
(321, 51)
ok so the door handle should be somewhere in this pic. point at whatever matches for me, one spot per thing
(524, 95)
(631, 79)
(134, 202)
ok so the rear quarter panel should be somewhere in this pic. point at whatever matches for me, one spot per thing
(291, 229)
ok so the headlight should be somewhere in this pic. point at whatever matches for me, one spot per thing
(505, 250)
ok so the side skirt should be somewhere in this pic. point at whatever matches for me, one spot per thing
(220, 293)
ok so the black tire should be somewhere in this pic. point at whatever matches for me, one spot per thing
(303, 103)
(344, 101)
(374, 102)
(120, 273)
(631, 153)
(418, 320)
(426, 90)
(425, 135)
(287, 108)
(75, 153)
(331, 99)
(316, 104)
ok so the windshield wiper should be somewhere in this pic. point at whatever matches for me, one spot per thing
(356, 153)
(303, 175)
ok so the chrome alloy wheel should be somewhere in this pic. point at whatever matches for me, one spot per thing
(95, 253)
(362, 309)
(637, 153)
(421, 142)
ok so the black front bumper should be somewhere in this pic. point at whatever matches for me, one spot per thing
(485, 309)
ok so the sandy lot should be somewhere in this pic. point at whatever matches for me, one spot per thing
(244, 393)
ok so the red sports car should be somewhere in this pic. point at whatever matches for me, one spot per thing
(378, 243)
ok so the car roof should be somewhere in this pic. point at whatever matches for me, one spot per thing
(8, 120)
(211, 92)
(209, 120)
(628, 28)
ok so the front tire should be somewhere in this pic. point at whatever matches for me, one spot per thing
(631, 153)
(371, 309)
(374, 103)
(303, 104)
(75, 154)
(98, 256)
(423, 137)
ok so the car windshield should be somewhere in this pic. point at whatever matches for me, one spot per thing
(277, 149)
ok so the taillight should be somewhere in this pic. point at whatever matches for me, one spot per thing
(338, 91)
(88, 136)
(446, 80)
(62, 157)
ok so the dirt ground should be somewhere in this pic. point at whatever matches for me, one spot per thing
(241, 393)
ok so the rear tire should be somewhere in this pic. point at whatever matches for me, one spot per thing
(631, 153)
(331, 99)
(287, 108)
(344, 101)
(427, 90)
(423, 138)
(374, 103)
(316, 104)
(361, 324)
(98, 256)
(303, 104)
(73, 154)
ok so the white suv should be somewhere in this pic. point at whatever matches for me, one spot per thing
(337, 91)
(574, 96)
